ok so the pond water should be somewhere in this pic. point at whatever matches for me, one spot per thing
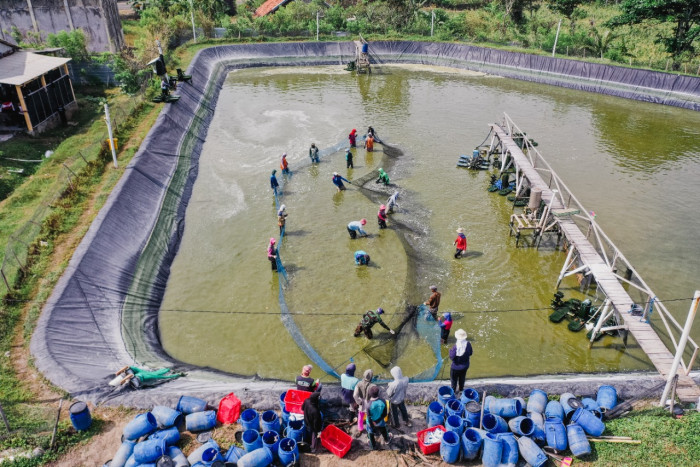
(634, 164)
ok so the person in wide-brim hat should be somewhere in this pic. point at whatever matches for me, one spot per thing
(460, 243)
(459, 354)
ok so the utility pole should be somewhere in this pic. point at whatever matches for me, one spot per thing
(318, 15)
(556, 38)
(432, 22)
(111, 136)
(194, 34)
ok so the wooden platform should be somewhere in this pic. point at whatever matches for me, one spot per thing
(648, 340)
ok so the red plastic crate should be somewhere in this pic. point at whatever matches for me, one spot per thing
(430, 448)
(336, 440)
(293, 400)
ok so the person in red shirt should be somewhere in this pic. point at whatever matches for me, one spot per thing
(445, 326)
(283, 165)
(460, 243)
(353, 138)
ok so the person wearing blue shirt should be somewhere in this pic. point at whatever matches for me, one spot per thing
(361, 258)
(355, 228)
(378, 411)
(273, 181)
(338, 181)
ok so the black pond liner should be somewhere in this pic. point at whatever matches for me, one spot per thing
(103, 313)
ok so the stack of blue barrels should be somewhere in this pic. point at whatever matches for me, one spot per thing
(512, 428)
(151, 438)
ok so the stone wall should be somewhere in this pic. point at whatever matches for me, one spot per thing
(98, 19)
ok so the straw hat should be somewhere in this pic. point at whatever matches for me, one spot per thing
(433, 288)
(460, 230)
(461, 335)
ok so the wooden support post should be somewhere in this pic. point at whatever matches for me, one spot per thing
(692, 361)
(25, 110)
(566, 264)
(70, 82)
(55, 425)
(481, 417)
(604, 315)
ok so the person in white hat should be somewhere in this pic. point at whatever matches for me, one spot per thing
(459, 354)
(460, 243)
(282, 217)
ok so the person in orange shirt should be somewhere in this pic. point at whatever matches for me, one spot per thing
(369, 143)
(283, 165)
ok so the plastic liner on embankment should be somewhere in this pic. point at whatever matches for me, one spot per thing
(103, 312)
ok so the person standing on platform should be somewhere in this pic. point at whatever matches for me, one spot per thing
(352, 137)
(274, 184)
(368, 320)
(313, 153)
(459, 354)
(361, 396)
(460, 243)
(434, 301)
(282, 218)
(284, 165)
(338, 181)
(396, 391)
(348, 381)
(381, 217)
(376, 416)
(348, 159)
(355, 228)
(272, 254)
(313, 419)
(305, 382)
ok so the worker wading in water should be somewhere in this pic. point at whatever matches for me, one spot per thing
(369, 319)
(272, 254)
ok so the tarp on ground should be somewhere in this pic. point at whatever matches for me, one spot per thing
(103, 313)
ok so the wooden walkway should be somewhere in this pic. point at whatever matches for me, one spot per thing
(648, 340)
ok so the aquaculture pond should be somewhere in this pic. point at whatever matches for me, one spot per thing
(634, 164)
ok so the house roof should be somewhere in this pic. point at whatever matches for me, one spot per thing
(21, 67)
(269, 7)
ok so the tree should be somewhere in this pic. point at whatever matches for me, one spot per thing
(684, 13)
(566, 8)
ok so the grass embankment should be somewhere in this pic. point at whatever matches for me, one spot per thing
(30, 404)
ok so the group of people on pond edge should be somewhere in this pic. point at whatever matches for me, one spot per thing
(362, 397)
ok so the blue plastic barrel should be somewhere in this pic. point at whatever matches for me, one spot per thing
(555, 432)
(130, 462)
(170, 435)
(589, 422)
(250, 420)
(285, 419)
(598, 414)
(435, 414)
(149, 450)
(554, 410)
(271, 441)
(469, 394)
(454, 407)
(606, 397)
(295, 430)
(365, 48)
(282, 404)
(178, 458)
(233, 454)
(251, 440)
(493, 450)
(123, 453)
(142, 425)
(475, 153)
(505, 407)
(196, 455)
(455, 423)
(590, 404)
(80, 416)
(509, 455)
(188, 404)
(564, 400)
(211, 455)
(466, 423)
(445, 393)
(288, 452)
(522, 426)
(487, 403)
(201, 421)
(166, 417)
(270, 421)
(538, 421)
(449, 447)
(495, 424)
(531, 452)
(471, 443)
(522, 404)
(472, 410)
(537, 401)
(259, 458)
(578, 443)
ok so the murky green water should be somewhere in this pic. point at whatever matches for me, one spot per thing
(634, 164)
